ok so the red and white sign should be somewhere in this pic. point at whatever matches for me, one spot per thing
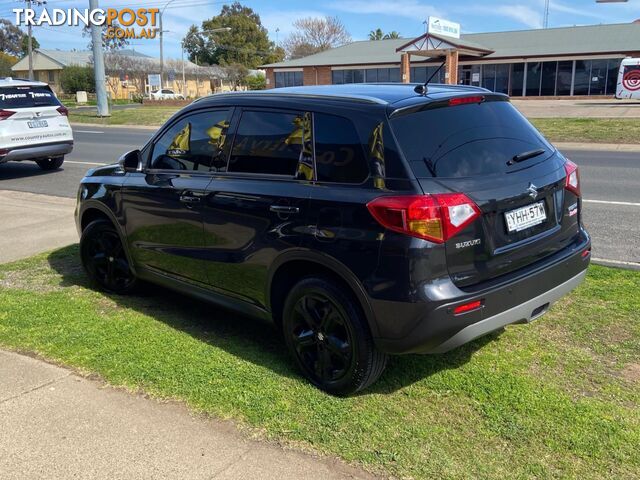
(631, 78)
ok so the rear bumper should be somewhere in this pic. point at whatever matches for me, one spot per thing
(518, 299)
(523, 313)
(37, 152)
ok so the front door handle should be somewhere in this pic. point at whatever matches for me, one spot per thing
(189, 199)
(284, 209)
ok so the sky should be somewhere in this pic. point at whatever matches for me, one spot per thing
(359, 16)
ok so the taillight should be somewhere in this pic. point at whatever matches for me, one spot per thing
(466, 100)
(572, 182)
(63, 110)
(436, 217)
(4, 114)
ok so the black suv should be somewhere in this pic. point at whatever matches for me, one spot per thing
(363, 220)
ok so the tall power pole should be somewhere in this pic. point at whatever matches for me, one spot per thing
(98, 65)
(30, 44)
(30, 35)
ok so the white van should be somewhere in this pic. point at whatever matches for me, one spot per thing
(33, 124)
(629, 79)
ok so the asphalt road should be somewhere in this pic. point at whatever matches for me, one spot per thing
(610, 185)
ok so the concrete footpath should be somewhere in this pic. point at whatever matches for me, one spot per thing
(32, 223)
(55, 424)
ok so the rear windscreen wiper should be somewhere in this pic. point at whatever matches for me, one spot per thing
(521, 157)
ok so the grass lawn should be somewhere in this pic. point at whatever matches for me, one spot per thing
(557, 398)
(151, 116)
(590, 130)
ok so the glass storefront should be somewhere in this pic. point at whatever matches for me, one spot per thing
(551, 78)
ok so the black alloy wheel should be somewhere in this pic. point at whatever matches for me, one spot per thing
(329, 338)
(104, 258)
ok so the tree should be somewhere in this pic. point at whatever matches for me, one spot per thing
(247, 43)
(75, 78)
(315, 35)
(6, 62)
(109, 43)
(236, 74)
(10, 38)
(24, 44)
(378, 34)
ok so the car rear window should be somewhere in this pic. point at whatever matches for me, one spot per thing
(467, 140)
(26, 97)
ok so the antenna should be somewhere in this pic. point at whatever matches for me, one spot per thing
(422, 89)
(546, 14)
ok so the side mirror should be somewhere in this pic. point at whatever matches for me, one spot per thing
(131, 161)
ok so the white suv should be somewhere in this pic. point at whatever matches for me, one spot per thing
(33, 124)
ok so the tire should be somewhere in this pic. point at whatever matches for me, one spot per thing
(104, 258)
(329, 339)
(50, 163)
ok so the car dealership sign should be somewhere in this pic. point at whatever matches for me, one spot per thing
(440, 26)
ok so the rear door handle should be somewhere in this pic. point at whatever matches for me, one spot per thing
(284, 209)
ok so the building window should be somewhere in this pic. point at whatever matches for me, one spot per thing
(565, 74)
(534, 77)
(489, 77)
(612, 75)
(502, 78)
(288, 79)
(598, 77)
(368, 75)
(548, 82)
(582, 77)
(52, 78)
(517, 79)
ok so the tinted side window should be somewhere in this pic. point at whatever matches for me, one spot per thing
(339, 153)
(195, 142)
(269, 143)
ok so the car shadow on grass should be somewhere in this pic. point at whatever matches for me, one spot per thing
(250, 339)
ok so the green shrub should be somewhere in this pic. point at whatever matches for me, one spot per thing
(255, 82)
(74, 79)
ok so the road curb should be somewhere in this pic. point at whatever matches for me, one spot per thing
(600, 147)
(128, 127)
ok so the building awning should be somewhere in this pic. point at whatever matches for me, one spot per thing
(431, 45)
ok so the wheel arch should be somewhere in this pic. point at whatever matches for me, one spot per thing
(91, 211)
(291, 266)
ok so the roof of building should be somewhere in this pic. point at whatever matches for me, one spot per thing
(57, 59)
(580, 40)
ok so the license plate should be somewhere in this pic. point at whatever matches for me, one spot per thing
(37, 124)
(525, 217)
